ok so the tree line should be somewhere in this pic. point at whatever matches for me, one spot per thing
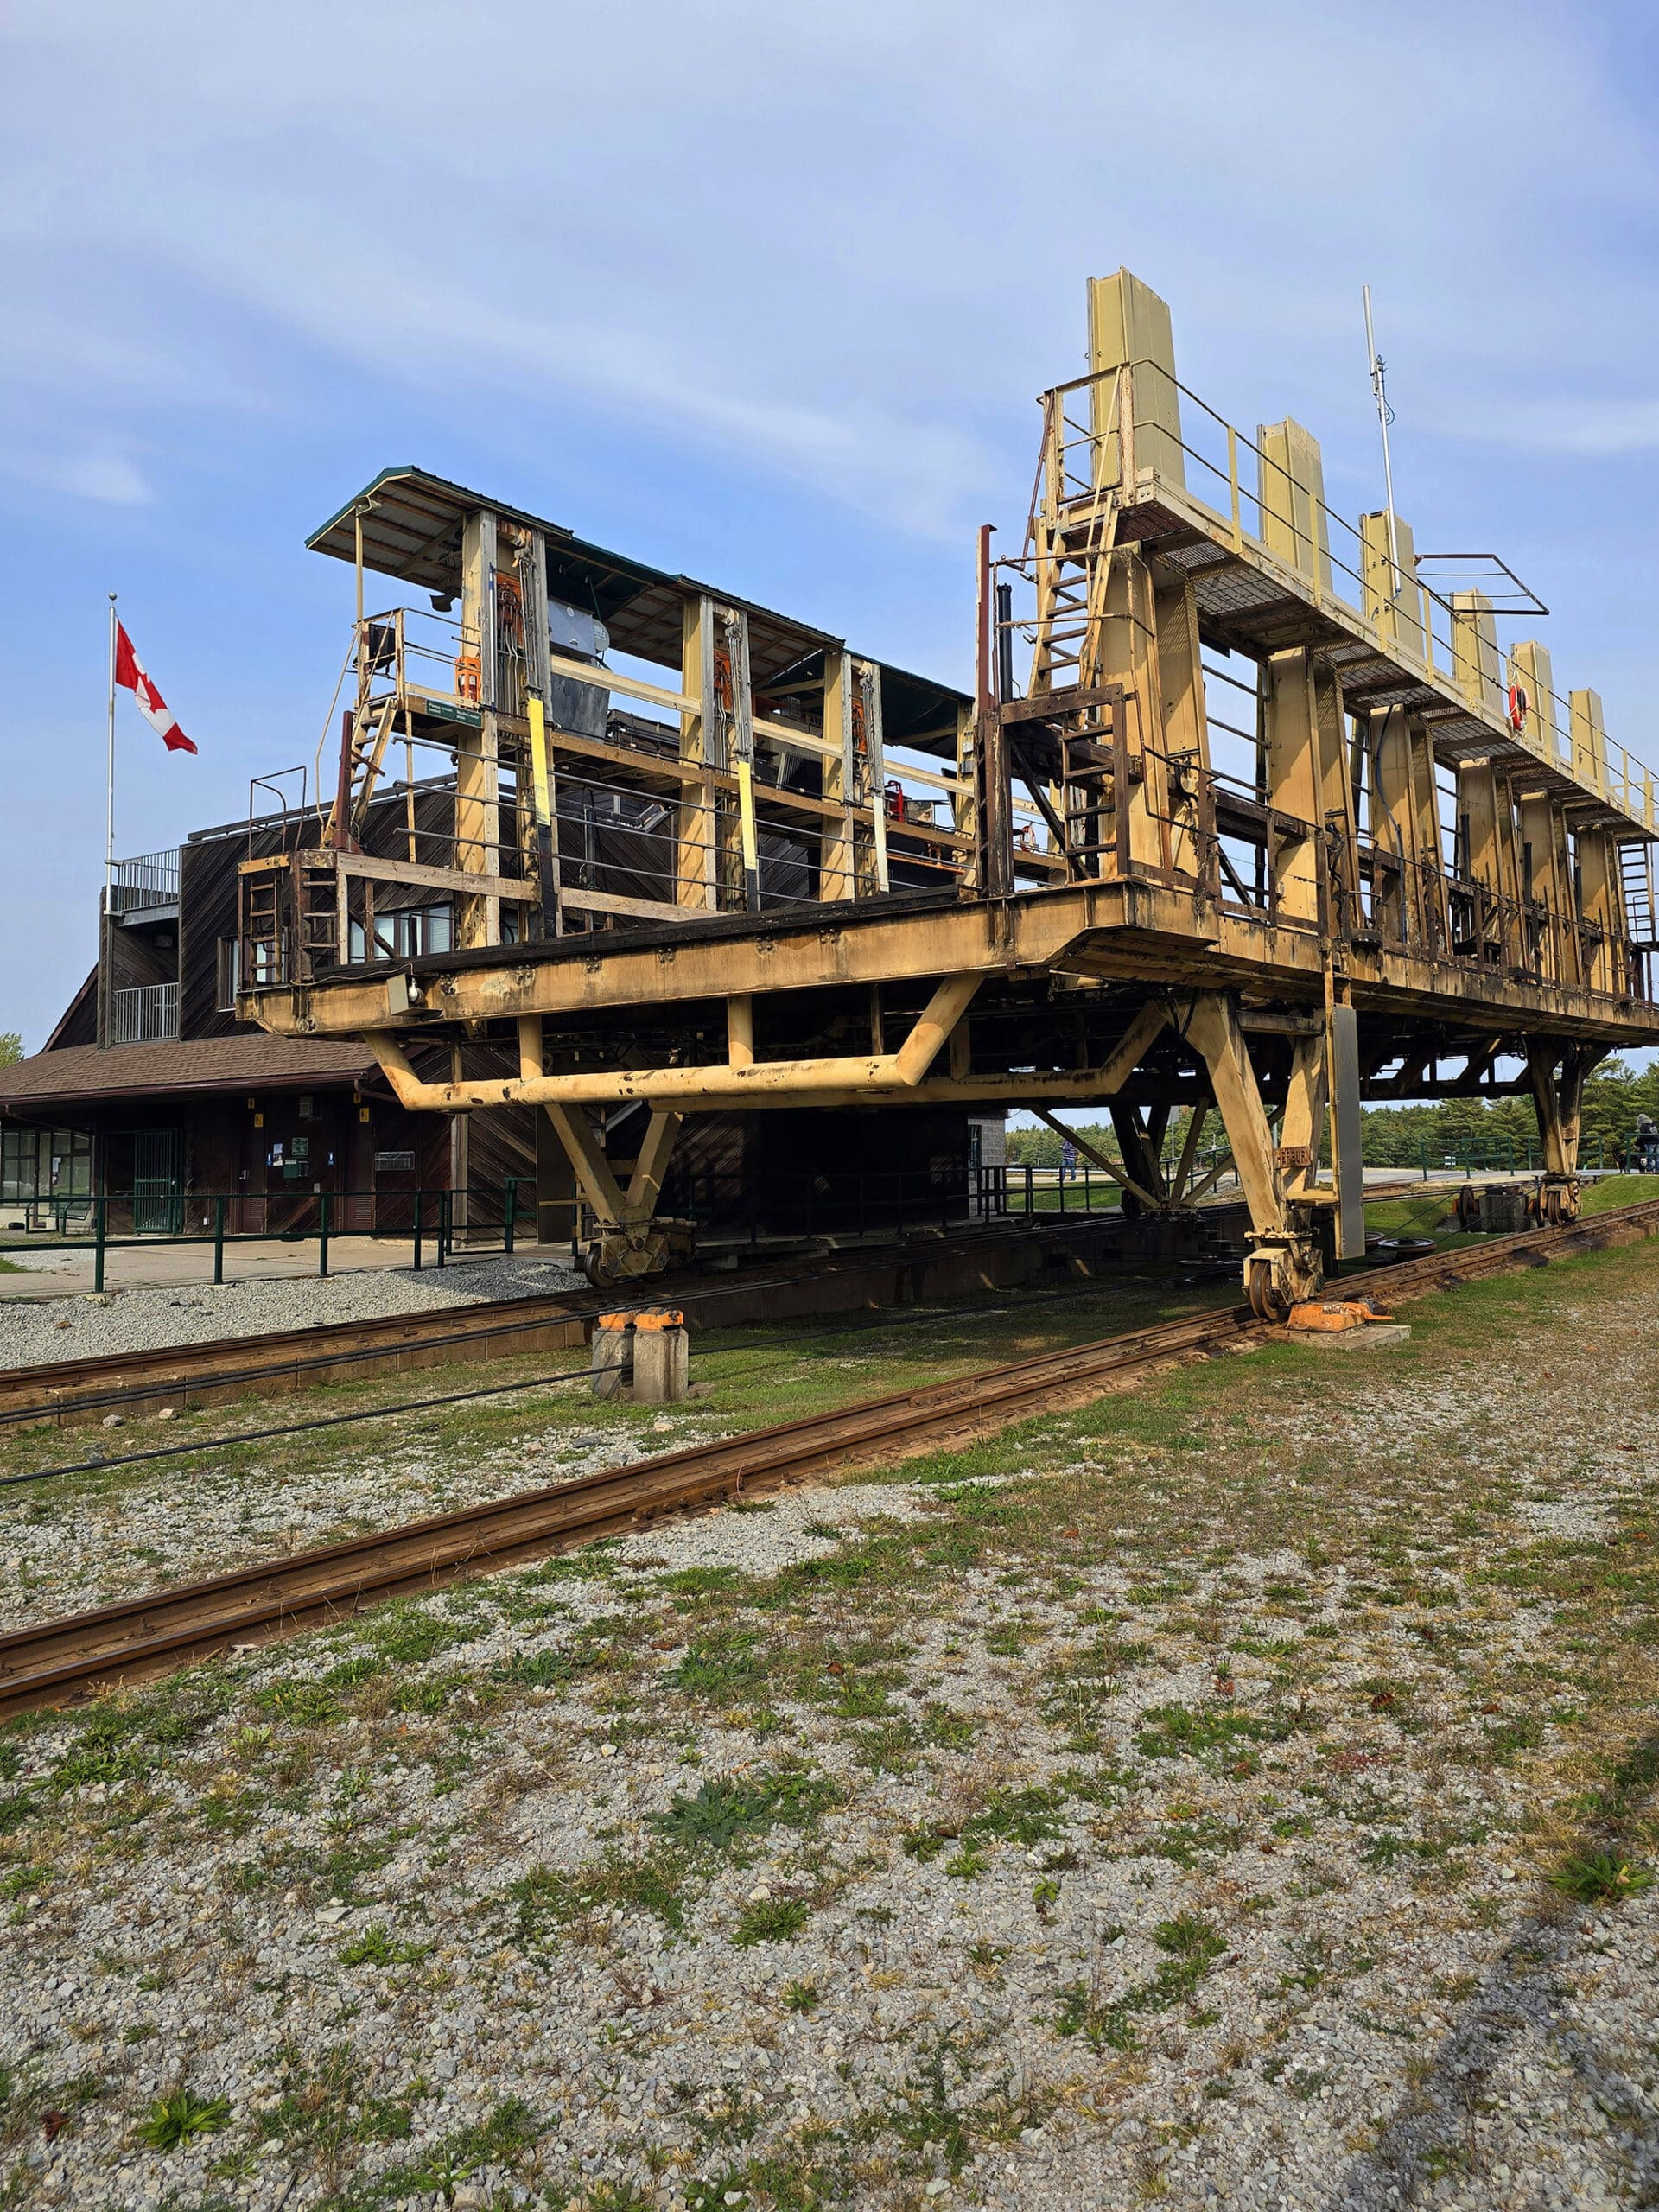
(1490, 1130)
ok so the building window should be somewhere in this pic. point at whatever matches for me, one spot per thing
(407, 933)
(230, 972)
(45, 1164)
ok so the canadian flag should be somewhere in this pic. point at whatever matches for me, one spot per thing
(130, 675)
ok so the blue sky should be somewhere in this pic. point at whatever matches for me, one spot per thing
(765, 293)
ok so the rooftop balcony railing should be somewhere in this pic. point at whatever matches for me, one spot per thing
(152, 879)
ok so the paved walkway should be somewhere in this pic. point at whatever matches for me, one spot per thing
(60, 1273)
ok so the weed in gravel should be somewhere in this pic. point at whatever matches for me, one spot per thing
(770, 1920)
(549, 1898)
(506, 2137)
(534, 1670)
(802, 1996)
(1601, 1878)
(177, 2119)
(26, 2099)
(1192, 1946)
(376, 1946)
(720, 1667)
(325, 2106)
(1172, 1731)
(722, 1813)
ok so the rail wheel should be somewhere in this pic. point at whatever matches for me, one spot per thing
(1559, 1199)
(1281, 1272)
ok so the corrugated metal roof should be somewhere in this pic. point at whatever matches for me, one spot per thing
(412, 523)
(92, 1071)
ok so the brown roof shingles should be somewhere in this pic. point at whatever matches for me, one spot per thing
(92, 1071)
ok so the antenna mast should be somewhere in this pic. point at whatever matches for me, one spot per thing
(1384, 416)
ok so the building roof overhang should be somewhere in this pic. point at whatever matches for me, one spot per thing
(87, 1075)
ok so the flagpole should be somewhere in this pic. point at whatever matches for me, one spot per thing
(109, 848)
(109, 806)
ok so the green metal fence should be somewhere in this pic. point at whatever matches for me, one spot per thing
(434, 1230)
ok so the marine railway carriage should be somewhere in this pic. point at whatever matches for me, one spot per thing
(1246, 813)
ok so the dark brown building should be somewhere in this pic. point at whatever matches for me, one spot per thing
(151, 1094)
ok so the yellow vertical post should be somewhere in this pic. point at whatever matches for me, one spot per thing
(1392, 599)
(697, 862)
(1547, 882)
(1475, 666)
(869, 777)
(477, 919)
(1129, 327)
(964, 802)
(1589, 740)
(1293, 526)
(838, 864)
(1531, 677)
(1290, 754)
(1601, 900)
(1185, 723)
(734, 749)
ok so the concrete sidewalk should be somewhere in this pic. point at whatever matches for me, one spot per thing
(61, 1274)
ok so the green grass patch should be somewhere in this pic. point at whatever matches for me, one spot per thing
(770, 1920)
(722, 1813)
(177, 2119)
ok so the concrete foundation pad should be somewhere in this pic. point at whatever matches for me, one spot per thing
(1371, 1336)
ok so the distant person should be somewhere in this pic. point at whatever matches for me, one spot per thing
(1647, 1144)
(1068, 1158)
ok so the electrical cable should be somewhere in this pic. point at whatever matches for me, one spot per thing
(503, 1389)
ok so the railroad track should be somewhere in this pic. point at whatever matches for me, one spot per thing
(72, 1390)
(155, 1634)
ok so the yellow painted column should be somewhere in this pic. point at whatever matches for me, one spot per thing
(1530, 674)
(1392, 598)
(1129, 327)
(477, 919)
(1589, 739)
(838, 859)
(1291, 488)
(697, 860)
(1475, 664)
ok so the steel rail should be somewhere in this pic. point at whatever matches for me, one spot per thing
(154, 1634)
(59, 1390)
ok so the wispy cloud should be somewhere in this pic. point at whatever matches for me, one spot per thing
(841, 247)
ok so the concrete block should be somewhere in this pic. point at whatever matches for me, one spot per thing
(662, 1362)
(612, 1353)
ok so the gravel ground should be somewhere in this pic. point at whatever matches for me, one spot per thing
(92, 1549)
(1159, 1805)
(89, 1326)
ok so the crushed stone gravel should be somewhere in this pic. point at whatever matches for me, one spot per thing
(94, 1327)
(1166, 1818)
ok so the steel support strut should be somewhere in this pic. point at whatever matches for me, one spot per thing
(1558, 1098)
(1284, 1264)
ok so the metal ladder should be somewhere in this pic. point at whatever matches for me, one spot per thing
(262, 962)
(372, 729)
(1635, 889)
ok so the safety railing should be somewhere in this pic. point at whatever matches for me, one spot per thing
(146, 1016)
(1140, 417)
(150, 881)
(1024, 1190)
(437, 1223)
